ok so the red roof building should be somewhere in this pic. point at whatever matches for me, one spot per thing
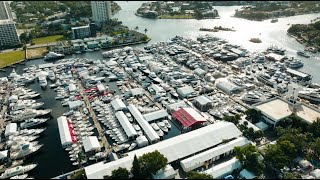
(188, 117)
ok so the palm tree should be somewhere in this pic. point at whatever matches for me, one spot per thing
(145, 30)
(136, 28)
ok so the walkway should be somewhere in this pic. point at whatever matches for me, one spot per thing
(105, 143)
(4, 107)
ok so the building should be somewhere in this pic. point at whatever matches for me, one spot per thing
(223, 169)
(275, 109)
(8, 34)
(5, 10)
(227, 86)
(188, 117)
(174, 149)
(203, 103)
(81, 32)
(101, 11)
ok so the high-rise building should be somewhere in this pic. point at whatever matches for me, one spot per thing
(101, 11)
(81, 32)
(5, 10)
(8, 33)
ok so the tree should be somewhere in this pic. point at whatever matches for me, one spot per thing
(249, 157)
(291, 175)
(136, 169)
(151, 163)
(120, 173)
(145, 31)
(197, 175)
(314, 128)
(253, 115)
(136, 28)
(232, 119)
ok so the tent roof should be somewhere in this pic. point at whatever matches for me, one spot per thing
(188, 116)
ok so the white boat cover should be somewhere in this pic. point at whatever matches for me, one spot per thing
(91, 143)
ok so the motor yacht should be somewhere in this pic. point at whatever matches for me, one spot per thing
(303, 53)
(26, 149)
(132, 146)
(28, 114)
(53, 56)
(31, 123)
(310, 94)
(22, 176)
(18, 170)
(252, 97)
(43, 81)
(166, 122)
(52, 76)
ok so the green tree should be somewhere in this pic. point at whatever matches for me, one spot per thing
(314, 128)
(253, 115)
(136, 169)
(120, 173)
(145, 31)
(232, 119)
(291, 175)
(152, 162)
(197, 175)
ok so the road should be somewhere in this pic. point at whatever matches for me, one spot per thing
(29, 47)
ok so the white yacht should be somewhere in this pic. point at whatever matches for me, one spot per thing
(53, 56)
(52, 76)
(166, 122)
(13, 74)
(162, 126)
(29, 132)
(30, 123)
(154, 77)
(295, 64)
(23, 176)
(252, 97)
(28, 114)
(144, 69)
(310, 94)
(157, 129)
(216, 114)
(26, 149)
(18, 170)
(25, 105)
(43, 81)
(132, 146)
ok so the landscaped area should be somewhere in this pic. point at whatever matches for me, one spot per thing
(10, 58)
(48, 39)
(36, 52)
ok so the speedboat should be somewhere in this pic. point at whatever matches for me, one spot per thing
(22, 176)
(166, 122)
(132, 146)
(303, 53)
(53, 56)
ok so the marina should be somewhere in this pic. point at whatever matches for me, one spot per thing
(82, 110)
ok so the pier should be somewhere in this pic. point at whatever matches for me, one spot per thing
(105, 143)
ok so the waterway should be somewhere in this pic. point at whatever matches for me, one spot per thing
(53, 161)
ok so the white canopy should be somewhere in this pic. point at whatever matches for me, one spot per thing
(225, 168)
(126, 125)
(91, 143)
(75, 104)
(65, 136)
(167, 173)
(118, 105)
(11, 129)
(3, 154)
(72, 87)
(142, 141)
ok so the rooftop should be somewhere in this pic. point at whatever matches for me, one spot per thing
(277, 108)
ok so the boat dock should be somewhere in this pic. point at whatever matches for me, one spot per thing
(105, 143)
(4, 108)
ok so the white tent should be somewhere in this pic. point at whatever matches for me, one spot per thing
(315, 173)
(125, 124)
(142, 141)
(223, 169)
(167, 173)
(75, 104)
(65, 136)
(118, 105)
(11, 129)
(72, 87)
(91, 143)
(3, 154)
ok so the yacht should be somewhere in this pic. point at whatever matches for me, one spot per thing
(31, 123)
(13, 74)
(132, 146)
(157, 129)
(166, 122)
(274, 20)
(25, 149)
(144, 69)
(294, 64)
(29, 132)
(23, 176)
(52, 76)
(26, 105)
(154, 77)
(136, 127)
(97, 156)
(162, 126)
(11, 172)
(252, 97)
(302, 53)
(43, 81)
(216, 114)
(28, 114)
(53, 56)
(310, 94)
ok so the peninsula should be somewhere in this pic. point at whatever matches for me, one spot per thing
(177, 10)
(275, 9)
(308, 34)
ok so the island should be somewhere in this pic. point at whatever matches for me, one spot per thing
(308, 34)
(275, 9)
(177, 10)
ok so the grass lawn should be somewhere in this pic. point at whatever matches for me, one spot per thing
(36, 52)
(48, 39)
(10, 58)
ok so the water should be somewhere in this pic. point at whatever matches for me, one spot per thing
(53, 160)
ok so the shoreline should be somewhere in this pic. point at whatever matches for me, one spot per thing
(42, 56)
(302, 42)
(297, 14)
